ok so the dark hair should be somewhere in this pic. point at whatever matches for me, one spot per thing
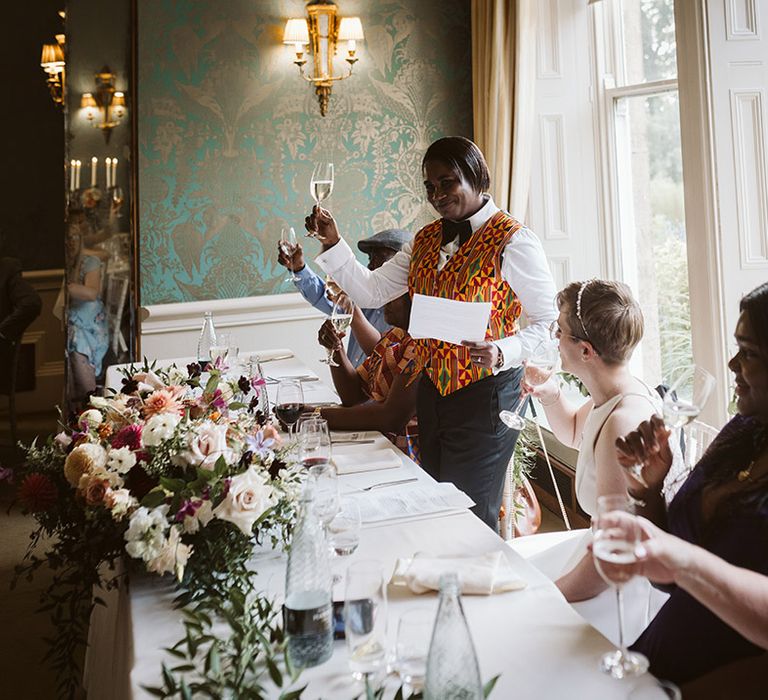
(755, 305)
(463, 156)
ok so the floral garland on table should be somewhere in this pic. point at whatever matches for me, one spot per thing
(183, 477)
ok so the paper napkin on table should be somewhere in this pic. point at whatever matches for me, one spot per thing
(366, 461)
(480, 575)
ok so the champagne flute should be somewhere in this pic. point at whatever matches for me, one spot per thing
(538, 369)
(118, 197)
(321, 184)
(325, 481)
(289, 402)
(288, 245)
(682, 404)
(613, 550)
(341, 318)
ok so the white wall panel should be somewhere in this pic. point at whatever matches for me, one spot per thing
(741, 20)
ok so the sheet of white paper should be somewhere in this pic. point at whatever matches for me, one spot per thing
(448, 320)
(409, 500)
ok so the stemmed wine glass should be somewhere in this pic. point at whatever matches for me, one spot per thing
(289, 402)
(288, 245)
(314, 441)
(683, 402)
(538, 368)
(341, 318)
(321, 184)
(325, 481)
(613, 550)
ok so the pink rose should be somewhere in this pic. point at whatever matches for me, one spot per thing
(206, 444)
(248, 498)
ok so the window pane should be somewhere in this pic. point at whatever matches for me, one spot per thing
(649, 40)
(653, 245)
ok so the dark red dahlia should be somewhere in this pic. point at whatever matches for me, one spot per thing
(129, 436)
(38, 493)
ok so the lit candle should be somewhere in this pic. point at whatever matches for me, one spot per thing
(78, 166)
(94, 163)
(114, 172)
(71, 175)
(108, 169)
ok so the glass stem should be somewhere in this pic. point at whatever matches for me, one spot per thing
(620, 606)
(519, 405)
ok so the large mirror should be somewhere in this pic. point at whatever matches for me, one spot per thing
(99, 295)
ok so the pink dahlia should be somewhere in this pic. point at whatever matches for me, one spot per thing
(162, 401)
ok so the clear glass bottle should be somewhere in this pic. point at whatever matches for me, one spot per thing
(308, 606)
(452, 669)
(207, 340)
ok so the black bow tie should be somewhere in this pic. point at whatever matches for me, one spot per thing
(451, 229)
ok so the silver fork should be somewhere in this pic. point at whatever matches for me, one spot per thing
(388, 483)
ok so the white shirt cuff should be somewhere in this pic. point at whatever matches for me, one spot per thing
(512, 349)
(335, 257)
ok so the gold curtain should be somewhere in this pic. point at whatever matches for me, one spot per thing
(503, 94)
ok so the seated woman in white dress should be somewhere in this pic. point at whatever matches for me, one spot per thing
(599, 326)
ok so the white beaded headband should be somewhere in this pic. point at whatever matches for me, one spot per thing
(578, 304)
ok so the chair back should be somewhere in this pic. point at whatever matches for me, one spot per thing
(694, 441)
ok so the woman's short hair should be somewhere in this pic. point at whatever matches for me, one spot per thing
(606, 314)
(755, 305)
(463, 156)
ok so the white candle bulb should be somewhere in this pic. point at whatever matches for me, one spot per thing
(78, 167)
(108, 169)
(94, 163)
(71, 175)
(114, 172)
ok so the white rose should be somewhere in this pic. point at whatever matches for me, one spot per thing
(121, 459)
(159, 428)
(248, 498)
(177, 375)
(91, 418)
(206, 444)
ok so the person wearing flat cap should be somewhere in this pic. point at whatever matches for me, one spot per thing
(473, 253)
(367, 323)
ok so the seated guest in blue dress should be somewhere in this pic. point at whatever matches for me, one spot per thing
(722, 507)
(379, 248)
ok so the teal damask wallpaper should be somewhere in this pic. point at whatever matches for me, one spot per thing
(229, 133)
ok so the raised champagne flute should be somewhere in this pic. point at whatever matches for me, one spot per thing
(538, 368)
(613, 550)
(691, 388)
(341, 318)
(288, 245)
(321, 184)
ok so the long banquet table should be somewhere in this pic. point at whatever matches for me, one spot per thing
(532, 637)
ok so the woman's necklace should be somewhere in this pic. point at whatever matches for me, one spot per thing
(744, 474)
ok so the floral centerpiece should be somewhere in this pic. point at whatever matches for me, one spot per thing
(177, 473)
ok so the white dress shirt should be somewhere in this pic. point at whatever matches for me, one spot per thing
(524, 267)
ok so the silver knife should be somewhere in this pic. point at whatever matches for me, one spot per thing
(388, 483)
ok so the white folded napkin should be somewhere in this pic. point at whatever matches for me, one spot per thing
(366, 461)
(480, 575)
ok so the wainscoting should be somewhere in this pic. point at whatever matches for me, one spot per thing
(256, 323)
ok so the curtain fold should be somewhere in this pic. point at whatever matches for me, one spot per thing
(503, 93)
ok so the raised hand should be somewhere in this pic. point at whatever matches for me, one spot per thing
(328, 337)
(294, 261)
(649, 446)
(321, 225)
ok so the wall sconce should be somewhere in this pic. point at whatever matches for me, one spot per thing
(53, 64)
(324, 29)
(107, 101)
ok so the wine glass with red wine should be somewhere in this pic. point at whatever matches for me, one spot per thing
(314, 442)
(289, 403)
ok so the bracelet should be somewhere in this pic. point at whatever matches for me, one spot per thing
(499, 359)
(553, 401)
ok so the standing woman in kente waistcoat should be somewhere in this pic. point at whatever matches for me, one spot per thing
(474, 252)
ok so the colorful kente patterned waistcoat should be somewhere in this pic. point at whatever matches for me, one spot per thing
(472, 274)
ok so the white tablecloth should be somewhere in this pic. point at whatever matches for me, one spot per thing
(541, 647)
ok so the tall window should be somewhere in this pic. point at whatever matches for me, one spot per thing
(645, 185)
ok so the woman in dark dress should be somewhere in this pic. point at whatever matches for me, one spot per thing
(722, 507)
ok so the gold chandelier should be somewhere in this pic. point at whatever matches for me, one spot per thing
(323, 29)
(105, 101)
